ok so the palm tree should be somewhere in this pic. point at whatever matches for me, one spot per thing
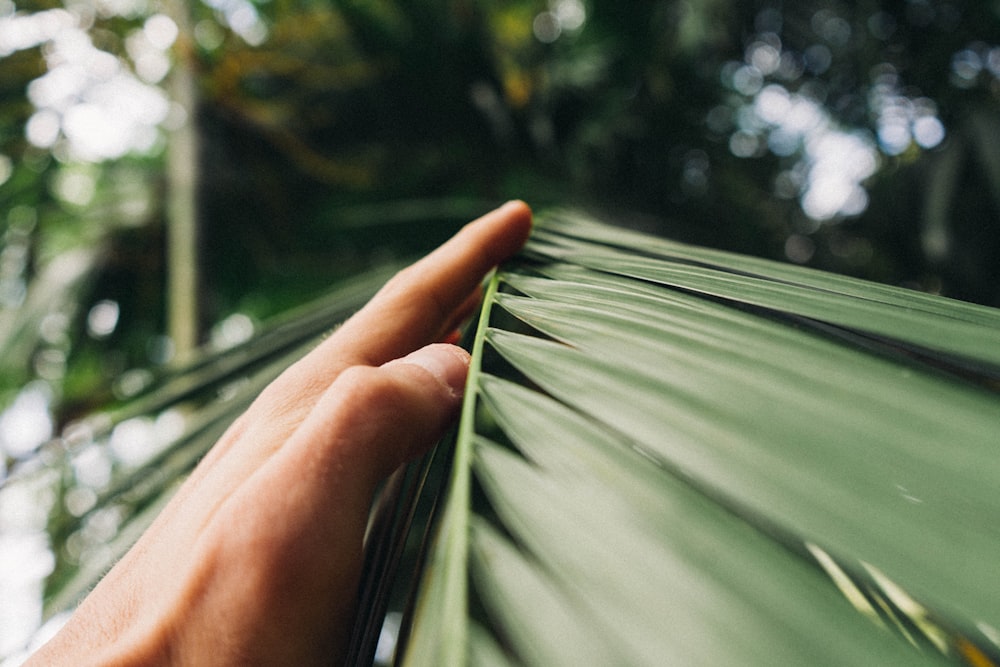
(667, 455)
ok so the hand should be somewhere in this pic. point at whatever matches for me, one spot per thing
(257, 557)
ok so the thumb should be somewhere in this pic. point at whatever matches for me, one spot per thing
(372, 419)
(431, 382)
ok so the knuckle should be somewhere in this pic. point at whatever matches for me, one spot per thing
(370, 387)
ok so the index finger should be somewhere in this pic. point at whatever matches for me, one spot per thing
(418, 306)
(415, 307)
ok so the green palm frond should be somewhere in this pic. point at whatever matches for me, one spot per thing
(670, 455)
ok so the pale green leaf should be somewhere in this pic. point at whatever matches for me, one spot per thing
(698, 458)
(918, 319)
(660, 567)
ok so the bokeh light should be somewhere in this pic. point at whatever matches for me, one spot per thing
(27, 422)
(242, 18)
(830, 161)
(562, 16)
(103, 318)
(88, 96)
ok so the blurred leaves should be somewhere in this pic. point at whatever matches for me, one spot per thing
(308, 109)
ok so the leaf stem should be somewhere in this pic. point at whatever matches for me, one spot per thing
(449, 565)
(459, 498)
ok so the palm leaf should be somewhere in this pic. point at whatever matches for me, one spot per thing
(670, 455)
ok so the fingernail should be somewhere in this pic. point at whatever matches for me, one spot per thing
(449, 364)
(513, 203)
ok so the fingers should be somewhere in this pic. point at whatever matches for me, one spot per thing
(420, 305)
(373, 419)
(259, 552)
(424, 297)
(280, 555)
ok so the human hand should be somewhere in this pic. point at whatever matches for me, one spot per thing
(257, 557)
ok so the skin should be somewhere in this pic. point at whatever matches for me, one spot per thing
(257, 557)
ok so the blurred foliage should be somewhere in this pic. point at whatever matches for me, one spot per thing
(311, 112)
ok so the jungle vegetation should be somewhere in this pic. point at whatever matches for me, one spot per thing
(190, 193)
